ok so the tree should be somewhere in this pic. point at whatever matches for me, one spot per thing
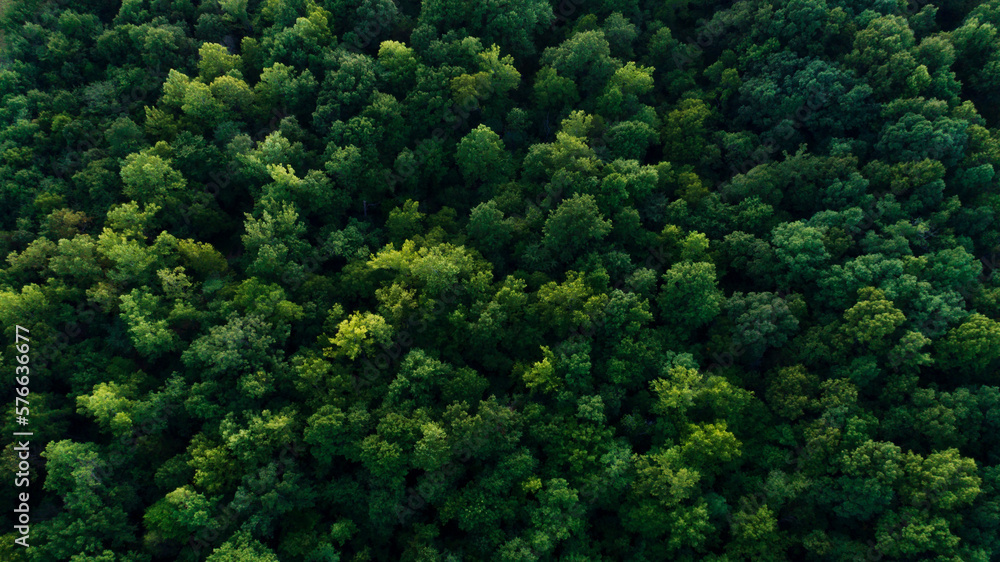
(279, 86)
(622, 93)
(791, 94)
(872, 319)
(512, 26)
(684, 132)
(584, 58)
(241, 547)
(488, 230)
(352, 335)
(554, 92)
(973, 347)
(791, 391)
(150, 179)
(178, 516)
(689, 297)
(664, 499)
(883, 51)
(215, 61)
(151, 337)
(274, 244)
(629, 140)
(915, 137)
(77, 473)
(234, 94)
(240, 346)
(553, 521)
(432, 451)
(756, 534)
(124, 137)
(399, 64)
(976, 40)
(482, 157)
(800, 251)
(497, 76)
(542, 374)
(200, 105)
(573, 225)
(333, 433)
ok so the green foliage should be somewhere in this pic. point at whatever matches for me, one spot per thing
(872, 319)
(150, 179)
(689, 296)
(215, 61)
(481, 157)
(574, 226)
(973, 346)
(242, 548)
(542, 375)
(502, 280)
(151, 337)
(353, 335)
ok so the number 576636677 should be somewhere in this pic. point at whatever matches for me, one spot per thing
(22, 371)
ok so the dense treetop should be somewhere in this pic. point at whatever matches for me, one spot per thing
(318, 280)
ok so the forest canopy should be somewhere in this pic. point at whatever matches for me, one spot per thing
(320, 281)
